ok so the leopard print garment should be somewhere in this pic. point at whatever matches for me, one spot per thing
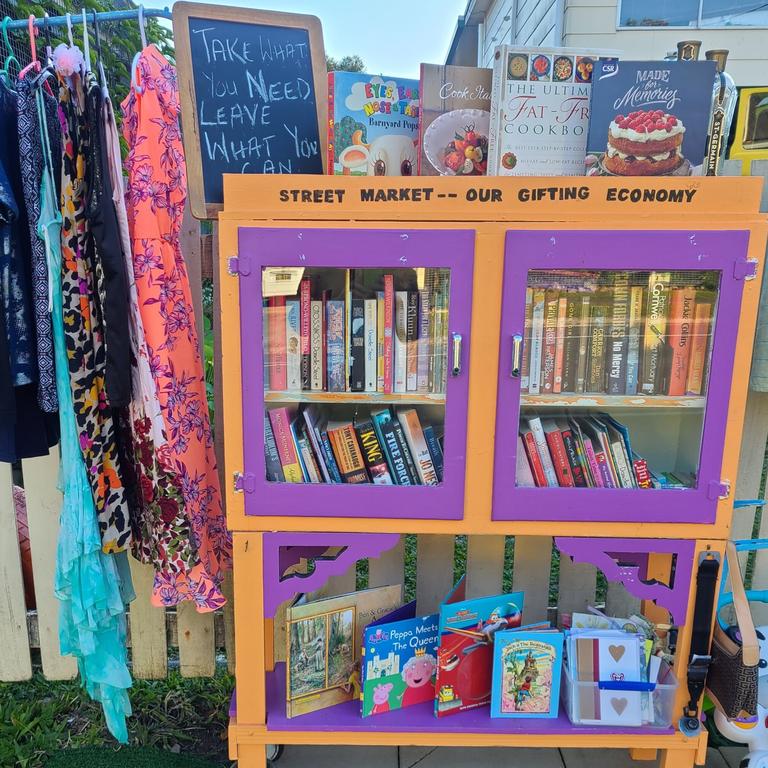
(83, 329)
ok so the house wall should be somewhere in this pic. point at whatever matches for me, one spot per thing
(592, 24)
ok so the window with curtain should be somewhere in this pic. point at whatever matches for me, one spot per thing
(693, 13)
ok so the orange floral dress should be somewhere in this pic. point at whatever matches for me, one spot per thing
(183, 535)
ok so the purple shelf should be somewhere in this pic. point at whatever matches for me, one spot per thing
(419, 719)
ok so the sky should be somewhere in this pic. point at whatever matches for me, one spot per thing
(392, 40)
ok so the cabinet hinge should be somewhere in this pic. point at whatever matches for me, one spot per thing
(244, 482)
(745, 269)
(239, 265)
(719, 489)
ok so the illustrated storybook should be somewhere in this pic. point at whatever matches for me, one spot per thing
(399, 662)
(324, 641)
(465, 653)
(527, 667)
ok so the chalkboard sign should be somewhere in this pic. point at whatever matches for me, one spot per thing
(253, 95)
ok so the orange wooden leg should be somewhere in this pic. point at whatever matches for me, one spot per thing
(251, 756)
(636, 753)
(677, 758)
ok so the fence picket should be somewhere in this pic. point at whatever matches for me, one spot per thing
(43, 507)
(485, 565)
(434, 571)
(15, 661)
(149, 645)
(389, 568)
(197, 646)
(578, 584)
(530, 574)
(228, 588)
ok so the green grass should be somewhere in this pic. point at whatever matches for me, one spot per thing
(39, 718)
(141, 757)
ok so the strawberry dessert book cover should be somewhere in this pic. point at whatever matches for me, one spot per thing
(649, 118)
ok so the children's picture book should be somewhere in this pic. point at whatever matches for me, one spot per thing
(465, 654)
(540, 110)
(649, 118)
(399, 663)
(454, 120)
(373, 126)
(324, 641)
(526, 673)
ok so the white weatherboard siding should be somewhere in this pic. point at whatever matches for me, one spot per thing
(525, 22)
(592, 24)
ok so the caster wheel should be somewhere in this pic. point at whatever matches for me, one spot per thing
(274, 753)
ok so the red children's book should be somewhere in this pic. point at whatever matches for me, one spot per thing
(558, 453)
(276, 356)
(389, 316)
(537, 468)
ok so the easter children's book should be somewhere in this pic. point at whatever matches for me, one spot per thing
(526, 673)
(324, 641)
(398, 664)
(465, 654)
(373, 125)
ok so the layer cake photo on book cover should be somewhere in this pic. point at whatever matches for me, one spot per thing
(649, 118)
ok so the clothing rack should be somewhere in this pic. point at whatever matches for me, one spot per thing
(76, 17)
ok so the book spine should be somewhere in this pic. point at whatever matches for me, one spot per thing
(543, 450)
(380, 341)
(308, 459)
(292, 346)
(371, 345)
(681, 312)
(389, 318)
(550, 342)
(539, 476)
(401, 345)
(571, 352)
(335, 355)
(604, 469)
(271, 456)
(523, 472)
(562, 306)
(357, 347)
(584, 338)
(572, 454)
(655, 330)
(498, 83)
(396, 458)
(347, 327)
(422, 368)
(594, 467)
(702, 319)
(405, 448)
(440, 342)
(316, 345)
(636, 302)
(330, 459)
(373, 455)
(305, 300)
(616, 375)
(278, 378)
(642, 475)
(331, 132)
(435, 451)
(417, 445)
(537, 341)
(525, 371)
(266, 341)
(412, 341)
(623, 470)
(559, 457)
(324, 341)
(348, 454)
(596, 363)
(286, 448)
(314, 438)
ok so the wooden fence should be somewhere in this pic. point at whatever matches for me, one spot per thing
(30, 636)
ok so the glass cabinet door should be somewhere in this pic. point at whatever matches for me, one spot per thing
(354, 346)
(615, 368)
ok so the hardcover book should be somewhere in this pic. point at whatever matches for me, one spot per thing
(400, 342)
(373, 454)
(527, 669)
(649, 118)
(616, 374)
(702, 327)
(286, 447)
(655, 331)
(293, 345)
(305, 323)
(347, 451)
(412, 342)
(316, 345)
(395, 449)
(424, 347)
(335, 340)
(371, 345)
(357, 347)
(373, 125)
(417, 445)
(540, 111)
(681, 320)
(324, 641)
(455, 114)
(273, 466)
(389, 325)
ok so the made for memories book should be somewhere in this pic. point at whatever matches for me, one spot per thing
(527, 667)
(465, 653)
(540, 111)
(454, 120)
(324, 641)
(373, 125)
(649, 118)
(399, 662)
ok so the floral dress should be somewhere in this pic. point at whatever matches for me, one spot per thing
(184, 537)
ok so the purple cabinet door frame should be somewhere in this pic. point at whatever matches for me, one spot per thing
(723, 251)
(357, 248)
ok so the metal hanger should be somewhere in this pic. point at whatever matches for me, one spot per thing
(10, 58)
(34, 64)
(99, 62)
(86, 44)
(142, 27)
(69, 30)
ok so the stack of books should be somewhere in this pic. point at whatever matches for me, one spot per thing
(387, 448)
(624, 333)
(372, 337)
(585, 451)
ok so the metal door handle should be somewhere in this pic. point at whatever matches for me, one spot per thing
(456, 370)
(517, 346)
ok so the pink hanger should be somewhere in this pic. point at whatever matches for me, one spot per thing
(33, 32)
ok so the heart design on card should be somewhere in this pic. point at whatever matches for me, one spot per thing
(617, 651)
(619, 705)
